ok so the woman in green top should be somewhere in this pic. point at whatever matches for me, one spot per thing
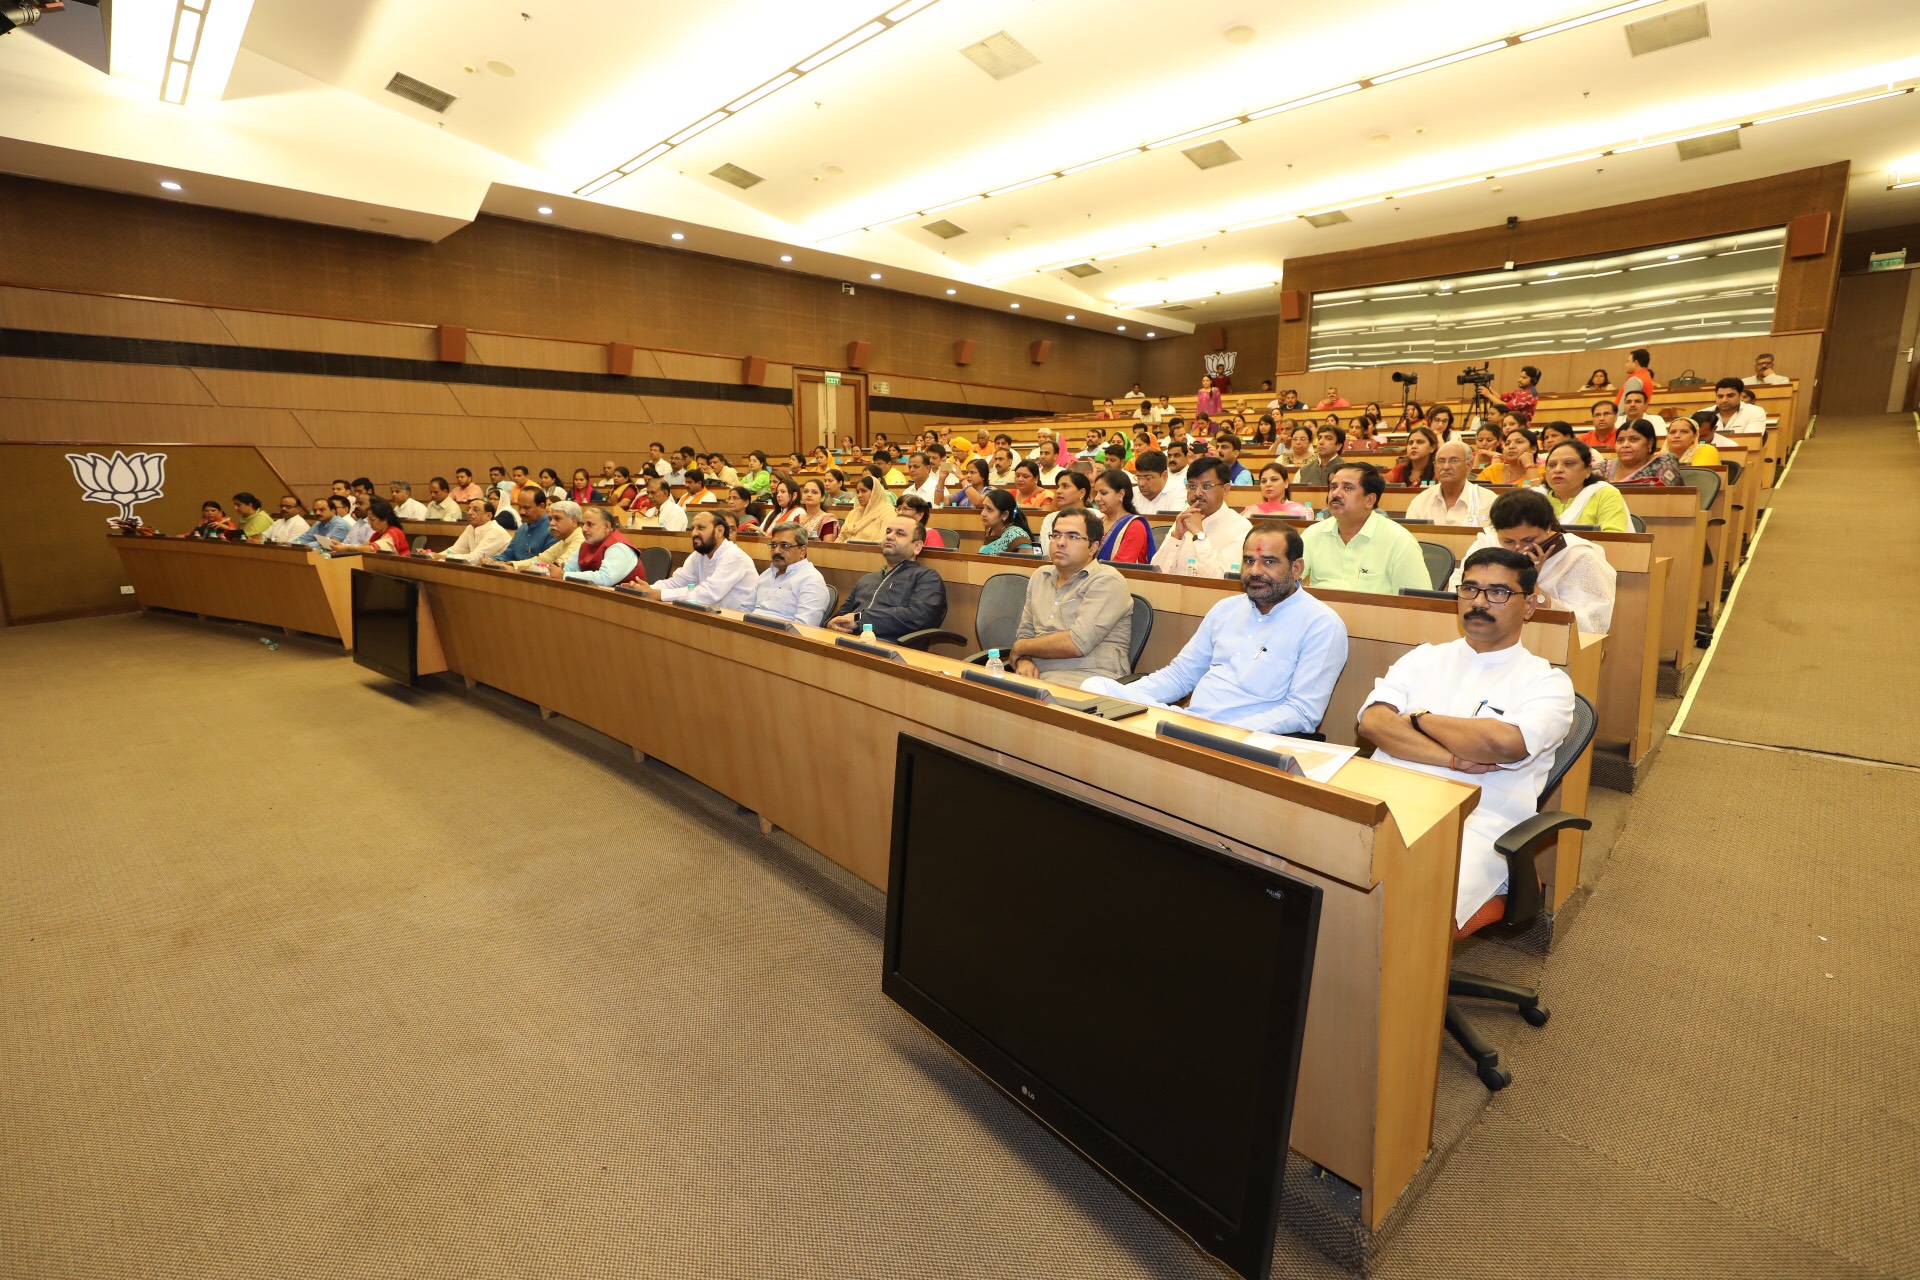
(1579, 496)
(759, 477)
(1005, 525)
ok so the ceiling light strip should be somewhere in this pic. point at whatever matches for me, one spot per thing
(812, 62)
(183, 46)
(1639, 144)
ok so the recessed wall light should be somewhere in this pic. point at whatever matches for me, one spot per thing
(874, 276)
(951, 292)
(1071, 316)
(1152, 334)
(1014, 305)
(786, 257)
(1122, 328)
(170, 185)
(545, 209)
(679, 235)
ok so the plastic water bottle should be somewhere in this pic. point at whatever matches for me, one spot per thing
(269, 643)
(995, 667)
(866, 633)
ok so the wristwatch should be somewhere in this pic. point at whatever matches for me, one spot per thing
(1413, 718)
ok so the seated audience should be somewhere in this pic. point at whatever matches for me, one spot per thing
(1133, 393)
(868, 520)
(905, 596)
(290, 525)
(563, 518)
(1486, 446)
(717, 573)
(482, 539)
(251, 522)
(1205, 539)
(1078, 616)
(1578, 495)
(839, 493)
(1026, 486)
(213, 523)
(1552, 434)
(1180, 452)
(386, 536)
(656, 509)
(602, 557)
(791, 587)
(1073, 489)
(973, 481)
(1274, 503)
(1226, 447)
(464, 490)
(1452, 498)
(922, 510)
(697, 493)
(337, 525)
(1633, 408)
(759, 477)
(1326, 456)
(1362, 437)
(1732, 410)
(550, 482)
(1158, 497)
(440, 504)
(738, 499)
(1683, 442)
(783, 502)
(1764, 374)
(1637, 459)
(1605, 426)
(583, 493)
(1440, 422)
(821, 524)
(1573, 573)
(1517, 465)
(1333, 400)
(1128, 539)
(535, 533)
(1005, 525)
(1000, 474)
(1266, 660)
(1416, 464)
(1480, 710)
(405, 505)
(1356, 548)
(1299, 447)
(1598, 381)
(1047, 458)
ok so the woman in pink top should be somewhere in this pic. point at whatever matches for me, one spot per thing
(1208, 398)
(1273, 496)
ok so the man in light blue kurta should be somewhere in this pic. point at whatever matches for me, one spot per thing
(793, 588)
(1265, 660)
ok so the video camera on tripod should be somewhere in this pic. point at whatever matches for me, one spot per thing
(1472, 377)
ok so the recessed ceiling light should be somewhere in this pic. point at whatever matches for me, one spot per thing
(951, 292)
(169, 184)
(1672, 257)
(874, 276)
(679, 235)
(1553, 273)
(1014, 305)
(546, 208)
(786, 257)
(1152, 334)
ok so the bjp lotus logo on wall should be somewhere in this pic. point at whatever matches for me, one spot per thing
(124, 480)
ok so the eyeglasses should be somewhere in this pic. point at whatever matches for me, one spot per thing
(1203, 486)
(1494, 594)
(1067, 535)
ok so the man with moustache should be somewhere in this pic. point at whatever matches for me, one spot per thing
(1356, 548)
(1479, 710)
(1205, 541)
(792, 588)
(718, 573)
(1267, 659)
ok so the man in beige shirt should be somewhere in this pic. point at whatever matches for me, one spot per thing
(1078, 619)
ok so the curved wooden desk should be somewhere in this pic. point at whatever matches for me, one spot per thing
(292, 588)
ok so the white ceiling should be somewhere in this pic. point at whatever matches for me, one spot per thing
(553, 93)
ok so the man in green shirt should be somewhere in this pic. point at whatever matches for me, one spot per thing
(252, 522)
(1356, 548)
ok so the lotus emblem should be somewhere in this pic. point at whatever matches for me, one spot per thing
(124, 480)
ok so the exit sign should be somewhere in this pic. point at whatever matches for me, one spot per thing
(1892, 260)
(833, 379)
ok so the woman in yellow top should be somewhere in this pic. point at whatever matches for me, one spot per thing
(1516, 464)
(871, 511)
(1579, 496)
(1683, 442)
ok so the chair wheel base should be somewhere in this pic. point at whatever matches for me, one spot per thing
(1535, 1016)
(1495, 1077)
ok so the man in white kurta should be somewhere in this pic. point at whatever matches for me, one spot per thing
(717, 573)
(1479, 710)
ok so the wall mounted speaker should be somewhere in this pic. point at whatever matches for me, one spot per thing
(620, 359)
(1293, 304)
(1807, 235)
(1216, 339)
(963, 351)
(753, 371)
(1040, 350)
(857, 352)
(453, 343)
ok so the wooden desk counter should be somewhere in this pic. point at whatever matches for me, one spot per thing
(1379, 629)
(1383, 844)
(275, 586)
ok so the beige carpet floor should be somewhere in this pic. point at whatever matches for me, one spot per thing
(1818, 652)
(305, 975)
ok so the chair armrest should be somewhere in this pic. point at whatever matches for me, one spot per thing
(928, 637)
(1131, 676)
(1528, 838)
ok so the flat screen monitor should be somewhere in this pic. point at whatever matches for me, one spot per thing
(386, 621)
(1141, 993)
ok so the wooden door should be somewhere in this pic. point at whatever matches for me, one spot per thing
(1863, 344)
(830, 414)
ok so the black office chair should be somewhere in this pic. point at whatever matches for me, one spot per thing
(1439, 563)
(949, 539)
(656, 563)
(1706, 481)
(1142, 628)
(995, 619)
(1521, 847)
(1639, 525)
(833, 603)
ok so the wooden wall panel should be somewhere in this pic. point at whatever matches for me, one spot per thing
(119, 383)
(1172, 365)
(1805, 300)
(312, 391)
(697, 368)
(410, 430)
(518, 402)
(117, 317)
(535, 353)
(311, 333)
(719, 413)
(519, 277)
(96, 421)
(626, 440)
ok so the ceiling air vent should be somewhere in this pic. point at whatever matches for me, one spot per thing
(1211, 155)
(739, 177)
(421, 92)
(1682, 26)
(1331, 218)
(1000, 56)
(1178, 306)
(944, 229)
(1711, 145)
(1083, 270)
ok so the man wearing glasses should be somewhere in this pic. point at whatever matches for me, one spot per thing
(1078, 618)
(793, 588)
(1479, 710)
(1206, 538)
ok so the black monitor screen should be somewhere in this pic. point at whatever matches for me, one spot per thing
(1142, 993)
(384, 624)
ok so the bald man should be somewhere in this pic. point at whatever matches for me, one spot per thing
(1453, 498)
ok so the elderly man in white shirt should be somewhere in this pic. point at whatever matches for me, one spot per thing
(440, 503)
(792, 588)
(405, 505)
(1454, 499)
(718, 573)
(1763, 372)
(666, 515)
(1479, 710)
(1205, 540)
(290, 525)
(482, 539)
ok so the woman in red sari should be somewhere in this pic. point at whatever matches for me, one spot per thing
(388, 536)
(582, 490)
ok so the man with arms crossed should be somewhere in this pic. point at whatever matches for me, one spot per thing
(1078, 618)
(1267, 659)
(1479, 710)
